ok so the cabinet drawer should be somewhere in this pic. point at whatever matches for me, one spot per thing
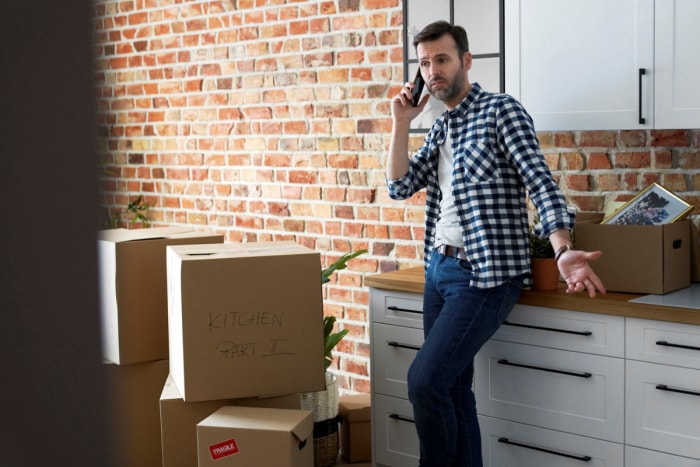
(398, 308)
(393, 351)
(575, 392)
(394, 432)
(566, 330)
(509, 444)
(662, 408)
(663, 342)
(635, 457)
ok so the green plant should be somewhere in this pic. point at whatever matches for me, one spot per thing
(330, 338)
(137, 210)
(539, 247)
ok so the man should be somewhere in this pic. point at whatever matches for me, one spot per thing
(477, 163)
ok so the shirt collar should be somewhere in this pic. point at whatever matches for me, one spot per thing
(463, 107)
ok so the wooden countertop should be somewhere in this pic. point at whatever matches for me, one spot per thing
(612, 303)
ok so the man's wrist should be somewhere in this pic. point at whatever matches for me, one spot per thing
(561, 250)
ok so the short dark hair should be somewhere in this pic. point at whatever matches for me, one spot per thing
(436, 30)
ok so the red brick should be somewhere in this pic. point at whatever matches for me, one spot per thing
(689, 160)
(599, 161)
(633, 138)
(669, 138)
(604, 139)
(563, 140)
(608, 182)
(632, 160)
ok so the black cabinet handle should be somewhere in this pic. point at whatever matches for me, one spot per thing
(406, 310)
(663, 387)
(542, 328)
(642, 72)
(403, 346)
(396, 416)
(677, 346)
(548, 451)
(503, 361)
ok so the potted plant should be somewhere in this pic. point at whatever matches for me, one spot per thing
(324, 404)
(545, 273)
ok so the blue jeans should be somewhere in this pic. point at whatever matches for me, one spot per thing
(458, 320)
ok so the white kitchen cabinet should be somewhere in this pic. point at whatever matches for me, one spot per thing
(604, 64)
(554, 387)
(566, 391)
(509, 444)
(662, 401)
(636, 457)
(663, 408)
(677, 64)
(396, 334)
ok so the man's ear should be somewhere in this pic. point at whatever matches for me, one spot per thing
(467, 60)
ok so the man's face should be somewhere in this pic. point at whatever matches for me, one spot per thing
(444, 72)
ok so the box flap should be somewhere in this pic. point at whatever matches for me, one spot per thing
(170, 391)
(125, 235)
(355, 407)
(296, 421)
(238, 250)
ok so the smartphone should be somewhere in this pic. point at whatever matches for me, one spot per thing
(418, 85)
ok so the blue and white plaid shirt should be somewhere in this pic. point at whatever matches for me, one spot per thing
(496, 160)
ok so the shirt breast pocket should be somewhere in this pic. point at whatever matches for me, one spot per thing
(477, 164)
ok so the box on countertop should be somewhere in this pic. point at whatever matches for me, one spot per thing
(643, 259)
(245, 320)
(355, 427)
(178, 420)
(132, 400)
(133, 290)
(256, 437)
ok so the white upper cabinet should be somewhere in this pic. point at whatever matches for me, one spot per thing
(604, 64)
(677, 88)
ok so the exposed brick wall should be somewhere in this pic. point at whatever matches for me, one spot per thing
(269, 120)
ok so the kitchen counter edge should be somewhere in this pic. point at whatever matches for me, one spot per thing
(612, 303)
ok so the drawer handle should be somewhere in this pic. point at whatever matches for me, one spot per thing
(503, 361)
(396, 416)
(396, 308)
(403, 346)
(663, 387)
(548, 451)
(677, 346)
(542, 328)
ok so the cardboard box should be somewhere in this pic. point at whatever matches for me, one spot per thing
(133, 290)
(643, 259)
(694, 251)
(132, 401)
(256, 437)
(245, 320)
(355, 427)
(178, 420)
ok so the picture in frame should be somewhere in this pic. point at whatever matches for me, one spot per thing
(654, 205)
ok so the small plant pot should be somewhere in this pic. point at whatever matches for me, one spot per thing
(545, 274)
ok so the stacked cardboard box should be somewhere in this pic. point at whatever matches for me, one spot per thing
(192, 327)
(245, 321)
(134, 316)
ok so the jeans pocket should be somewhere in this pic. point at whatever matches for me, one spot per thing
(513, 289)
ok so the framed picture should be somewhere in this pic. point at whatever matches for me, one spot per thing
(654, 205)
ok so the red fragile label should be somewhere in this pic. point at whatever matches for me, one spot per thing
(223, 449)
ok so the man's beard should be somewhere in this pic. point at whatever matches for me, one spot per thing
(449, 92)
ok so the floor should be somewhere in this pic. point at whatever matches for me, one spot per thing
(342, 461)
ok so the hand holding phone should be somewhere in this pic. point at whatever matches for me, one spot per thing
(418, 85)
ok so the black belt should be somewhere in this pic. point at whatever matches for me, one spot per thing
(453, 251)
